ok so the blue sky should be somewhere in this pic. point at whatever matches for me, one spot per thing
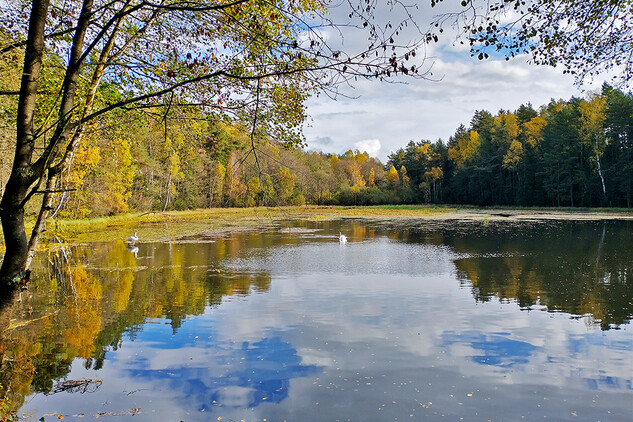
(383, 117)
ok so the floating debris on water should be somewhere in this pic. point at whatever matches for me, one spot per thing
(83, 385)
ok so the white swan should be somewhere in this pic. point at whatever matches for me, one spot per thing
(342, 238)
(133, 239)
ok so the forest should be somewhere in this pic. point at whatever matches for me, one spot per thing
(576, 153)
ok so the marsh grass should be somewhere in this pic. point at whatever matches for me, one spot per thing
(163, 226)
(398, 210)
(181, 224)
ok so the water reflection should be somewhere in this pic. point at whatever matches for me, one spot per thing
(582, 268)
(85, 299)
(579, 268)
(289, 324)
(492, 349)
(204, 371)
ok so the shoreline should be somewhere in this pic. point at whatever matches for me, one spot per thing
(178, 225)
(156, 227)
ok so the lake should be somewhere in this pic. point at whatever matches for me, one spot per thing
(422, 320)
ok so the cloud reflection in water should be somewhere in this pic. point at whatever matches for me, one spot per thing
(211, 373)
(493, 349)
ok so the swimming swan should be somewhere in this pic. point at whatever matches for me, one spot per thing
(342, 238)
(133, 239)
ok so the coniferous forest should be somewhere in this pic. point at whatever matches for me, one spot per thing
(576, 153)
(568, 153)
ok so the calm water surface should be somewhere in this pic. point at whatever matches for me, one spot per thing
(432, 321)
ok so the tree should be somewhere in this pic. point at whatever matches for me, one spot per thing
(429, 185)
(533, 130)
(371, 180)
(85, 166)
(561, 156)
(514, 155)
(119, 174)
(507, 153)
(530, 190)
(586, 37)
(466, 148)
(285, 183)
(249, 60)
(355, 175)
(392, 176)
(619, 151)
(217, 184)
(592, 115)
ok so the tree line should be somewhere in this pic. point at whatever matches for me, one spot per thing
(574, 153)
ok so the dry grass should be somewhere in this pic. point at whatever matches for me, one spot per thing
(179, 224)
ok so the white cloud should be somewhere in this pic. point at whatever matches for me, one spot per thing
(396, 113)
(370, 146)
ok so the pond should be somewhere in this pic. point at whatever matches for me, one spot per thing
(420, 321)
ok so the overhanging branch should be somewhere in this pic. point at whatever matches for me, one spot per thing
(220, 73)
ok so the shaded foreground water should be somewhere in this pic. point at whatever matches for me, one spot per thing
(428, 321)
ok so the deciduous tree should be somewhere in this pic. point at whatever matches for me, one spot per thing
(592, 116)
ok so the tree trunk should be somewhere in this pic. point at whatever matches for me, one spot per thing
(604, 188)
(23, 174)
(169, 182)
(211, 185)
(12, 215)
(55, 170)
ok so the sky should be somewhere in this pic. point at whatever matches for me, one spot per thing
(382, 117)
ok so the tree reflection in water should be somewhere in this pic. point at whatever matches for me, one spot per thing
(83, 300)
(580, 268)
(90, 301)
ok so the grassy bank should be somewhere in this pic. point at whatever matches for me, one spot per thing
(179, 224)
